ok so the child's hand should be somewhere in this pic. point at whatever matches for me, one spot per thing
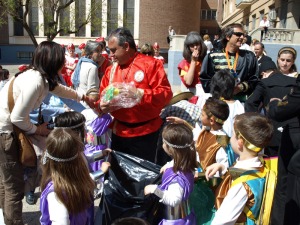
(213, 169)
(195, 55)
(162, 170)
(106, 151)
(105, 166)
(149, 189)
(174, 119)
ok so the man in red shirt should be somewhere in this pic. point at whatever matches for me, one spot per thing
(135, 130)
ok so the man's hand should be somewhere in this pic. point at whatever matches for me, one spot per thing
(90, 102)
(105, 107)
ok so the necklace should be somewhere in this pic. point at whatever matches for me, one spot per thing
(124, 77)
(232, 63)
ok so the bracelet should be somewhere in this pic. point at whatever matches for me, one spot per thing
(159, 193)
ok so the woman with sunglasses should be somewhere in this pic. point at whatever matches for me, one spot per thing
(241, 63)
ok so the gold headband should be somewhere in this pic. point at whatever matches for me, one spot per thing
(248, 143)
(220, 121)
(288, 49)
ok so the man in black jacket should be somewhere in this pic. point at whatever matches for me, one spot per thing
(241, 63)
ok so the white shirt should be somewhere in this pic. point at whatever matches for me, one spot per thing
(245, 47)
(173, 195)
(29, 90)
(264, 23)
(58, 213)
(209, 46)
(236, 198)
(235, 108)
(88, 77)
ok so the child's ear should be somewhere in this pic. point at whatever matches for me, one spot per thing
(212, 120)
(240, 143)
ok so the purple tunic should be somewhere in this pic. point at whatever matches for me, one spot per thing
(186, 181)
(89, 149)
(78, 219)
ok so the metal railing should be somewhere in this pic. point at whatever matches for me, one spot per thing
(278, 35)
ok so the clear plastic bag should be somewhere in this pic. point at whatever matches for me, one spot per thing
(120, 95)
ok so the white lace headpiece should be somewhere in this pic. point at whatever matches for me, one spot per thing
(47, 155)
(179, 146)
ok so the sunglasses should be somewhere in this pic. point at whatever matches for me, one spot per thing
(238, 34)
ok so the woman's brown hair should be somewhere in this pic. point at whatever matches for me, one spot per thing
(72, 183)
(184, 157)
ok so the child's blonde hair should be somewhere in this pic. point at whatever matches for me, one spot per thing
(178, 138)
(63, 163)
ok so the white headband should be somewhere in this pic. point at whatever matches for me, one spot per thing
(47, 155)
(179, 146)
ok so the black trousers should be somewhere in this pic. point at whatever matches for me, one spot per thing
(143, 147)
(290, 145)
(292, 210)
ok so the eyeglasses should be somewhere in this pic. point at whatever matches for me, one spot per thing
(238, 34)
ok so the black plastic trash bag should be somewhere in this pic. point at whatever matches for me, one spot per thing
(123, 194)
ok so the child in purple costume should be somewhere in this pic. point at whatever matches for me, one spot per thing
(67, 188)
(178, 179)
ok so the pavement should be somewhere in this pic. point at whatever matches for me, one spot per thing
(13, 69)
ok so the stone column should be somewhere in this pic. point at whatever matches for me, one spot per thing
(174, 58)
(88, 27)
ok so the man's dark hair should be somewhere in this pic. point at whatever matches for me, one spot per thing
(259, 43)
(228, 31)
(123, 35)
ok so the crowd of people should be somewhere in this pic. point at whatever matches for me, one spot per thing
(237, 109)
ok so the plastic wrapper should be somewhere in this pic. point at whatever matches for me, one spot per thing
(120, 95)
(124, 189)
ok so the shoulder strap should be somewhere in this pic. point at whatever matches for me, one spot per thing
(11, 102)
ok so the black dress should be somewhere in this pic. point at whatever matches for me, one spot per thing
(286, 206)
(275, 86)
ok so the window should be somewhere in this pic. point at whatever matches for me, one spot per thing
(253, 21)
(204, 31)
(247, 25)
(208, 14)
(34, 18)
(64, 20)
(261, 16)
(80, 17)
(112, 15)
(128, 19)
(96, 18)
(24, 55)
(18, 28)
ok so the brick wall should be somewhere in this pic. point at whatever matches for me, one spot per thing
(157, 15)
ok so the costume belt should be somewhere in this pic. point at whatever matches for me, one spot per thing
(133, 125)
(180, 211)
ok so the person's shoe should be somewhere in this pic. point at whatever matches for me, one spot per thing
(30, 199)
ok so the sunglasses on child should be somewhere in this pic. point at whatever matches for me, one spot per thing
(238, 34)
